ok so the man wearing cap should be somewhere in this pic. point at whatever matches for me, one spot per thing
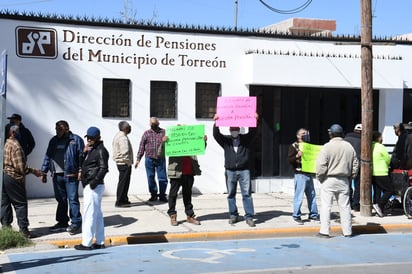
(62, 159)
(336, 166)
(354, 138)
(94, 163)
(24, 137)
(398, 157)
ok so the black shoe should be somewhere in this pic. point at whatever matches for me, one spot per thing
(348, 236)
(82, 247)
(298, 221)
(127, 202)
(73, 230)
(122, 204)
(153, 199)
(59, 227)
(163, 199)
(26, 233)
(97, 246)
(321, 235)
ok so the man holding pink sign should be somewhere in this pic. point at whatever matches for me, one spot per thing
(236, 150)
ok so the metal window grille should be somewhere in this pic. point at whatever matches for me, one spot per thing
(206, 98)
(163, 99)
(116, 98)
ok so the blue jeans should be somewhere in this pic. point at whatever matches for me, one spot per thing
(159, 166)
(66, 192)
(243, 177)
(304, 185)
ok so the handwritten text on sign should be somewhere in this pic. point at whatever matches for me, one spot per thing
(309, 155)
(236, 111)
(185, 140)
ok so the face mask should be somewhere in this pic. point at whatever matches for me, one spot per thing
(154, 127)
(306, 138)
(234, 134)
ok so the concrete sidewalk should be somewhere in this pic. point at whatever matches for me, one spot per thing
(145, 222)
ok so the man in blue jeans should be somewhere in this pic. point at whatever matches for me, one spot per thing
(236, 150)
(62, 159)
(150, 145)
(303, 180)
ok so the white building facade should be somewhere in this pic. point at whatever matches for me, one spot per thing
(97, 73)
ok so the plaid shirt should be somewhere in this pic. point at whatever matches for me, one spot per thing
(150, 143)
(14, 160)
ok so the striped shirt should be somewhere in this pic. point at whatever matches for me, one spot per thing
(150, 143)
(14, 160)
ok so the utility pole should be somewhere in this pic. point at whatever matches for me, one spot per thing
(367, 108)
(236, 13)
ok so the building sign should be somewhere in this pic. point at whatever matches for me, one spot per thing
(36, 42)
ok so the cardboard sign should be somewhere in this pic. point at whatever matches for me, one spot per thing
(236, 111)
(309, 155)
(185, 140)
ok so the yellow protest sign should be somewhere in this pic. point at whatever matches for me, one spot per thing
(309, 155)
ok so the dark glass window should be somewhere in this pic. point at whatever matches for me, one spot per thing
(163, 99)
(206, 99)
(116, 98)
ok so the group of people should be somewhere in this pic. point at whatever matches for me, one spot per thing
(338, 168)
(70, 161)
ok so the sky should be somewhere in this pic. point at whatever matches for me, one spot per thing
(390, 17)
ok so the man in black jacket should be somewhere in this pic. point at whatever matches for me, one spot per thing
(354, 138)
(236, 150)
(94, 163)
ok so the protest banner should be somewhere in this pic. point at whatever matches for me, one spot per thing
(309, 155)
(185, 140)
(236, 111)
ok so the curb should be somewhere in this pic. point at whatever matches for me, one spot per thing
(160, 237)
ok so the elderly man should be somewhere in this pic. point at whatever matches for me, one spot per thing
(336, 166)
(123, 156)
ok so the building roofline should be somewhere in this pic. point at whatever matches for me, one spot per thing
(187, 28)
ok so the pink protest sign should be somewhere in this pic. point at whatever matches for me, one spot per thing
(236, 111)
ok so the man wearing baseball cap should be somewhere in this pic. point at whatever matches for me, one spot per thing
(24, 137)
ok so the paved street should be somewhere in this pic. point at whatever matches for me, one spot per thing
(361, 254)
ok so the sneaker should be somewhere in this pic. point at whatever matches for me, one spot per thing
(193, 220)
(59, 227)
(233, 220)
(298, 221)
(97, 246)
(250, 222)
(73, 229)
(378, 210)
(315, 219)
(82, 247)
(321, 235)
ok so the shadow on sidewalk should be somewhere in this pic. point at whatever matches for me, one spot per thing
(118, 220)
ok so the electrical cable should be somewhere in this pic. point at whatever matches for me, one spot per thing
(291, 11)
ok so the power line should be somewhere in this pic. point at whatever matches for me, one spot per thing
(24, 3)
(291, 11)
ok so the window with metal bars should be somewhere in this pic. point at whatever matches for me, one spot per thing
(163, 99)
(116, 98)
(206, 99)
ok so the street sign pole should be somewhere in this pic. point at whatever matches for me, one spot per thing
(3, 114)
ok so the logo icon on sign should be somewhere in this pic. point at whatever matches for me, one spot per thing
(36, 42)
